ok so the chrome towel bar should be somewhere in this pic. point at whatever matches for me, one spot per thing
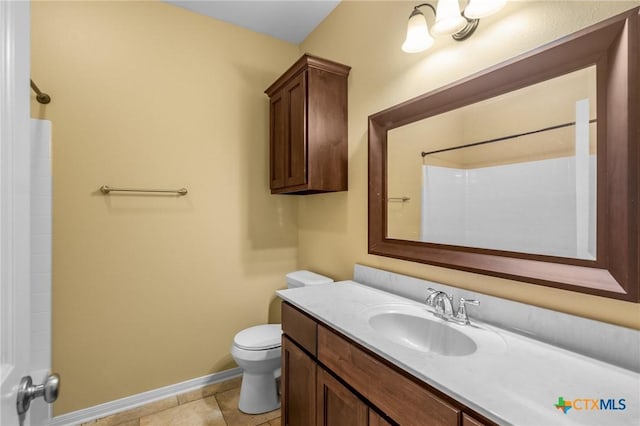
(108, 189)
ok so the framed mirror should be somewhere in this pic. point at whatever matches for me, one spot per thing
(526, 171)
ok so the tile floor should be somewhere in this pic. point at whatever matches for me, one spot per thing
(213, 405)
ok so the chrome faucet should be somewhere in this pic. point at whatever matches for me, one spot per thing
(443, 304)
(441, 301)
(432, 296)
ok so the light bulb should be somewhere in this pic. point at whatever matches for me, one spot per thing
(477, 9)
(418, 37)
(448, 18)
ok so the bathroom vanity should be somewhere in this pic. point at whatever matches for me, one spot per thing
(354, 354)
(329, 379)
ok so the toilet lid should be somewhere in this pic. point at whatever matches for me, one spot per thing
(259, 337)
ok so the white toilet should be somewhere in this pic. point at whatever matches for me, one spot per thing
(257, 351)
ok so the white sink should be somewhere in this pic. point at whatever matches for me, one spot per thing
(422, 334)
(417, 328)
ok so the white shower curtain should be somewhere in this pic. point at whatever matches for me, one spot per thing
(525, 207)
(539, 207)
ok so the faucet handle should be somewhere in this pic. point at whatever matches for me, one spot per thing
(461, 316)
(464, 302)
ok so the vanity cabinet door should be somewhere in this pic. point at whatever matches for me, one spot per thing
(337, 405)
(298, 386)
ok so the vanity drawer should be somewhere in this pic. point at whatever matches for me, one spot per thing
(299, 327)
(400, 398)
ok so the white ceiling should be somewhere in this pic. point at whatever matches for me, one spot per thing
(289, 20)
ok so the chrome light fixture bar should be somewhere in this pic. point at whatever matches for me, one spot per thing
(449, 21)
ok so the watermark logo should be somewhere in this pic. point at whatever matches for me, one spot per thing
(563, 405)
(588, 404)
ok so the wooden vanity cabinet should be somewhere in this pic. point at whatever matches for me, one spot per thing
(308, 128)
(328, 380)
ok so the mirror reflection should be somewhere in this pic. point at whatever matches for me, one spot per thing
(516, 172)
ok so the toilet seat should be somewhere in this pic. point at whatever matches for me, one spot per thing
(259, 337)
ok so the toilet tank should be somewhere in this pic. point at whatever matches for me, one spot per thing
(305, 278)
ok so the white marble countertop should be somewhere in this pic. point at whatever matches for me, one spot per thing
(511, 379)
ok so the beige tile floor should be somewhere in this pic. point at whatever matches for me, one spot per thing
(213, 405)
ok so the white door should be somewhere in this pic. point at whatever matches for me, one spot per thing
(15, 233)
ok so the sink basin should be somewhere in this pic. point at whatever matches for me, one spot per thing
(422, 333)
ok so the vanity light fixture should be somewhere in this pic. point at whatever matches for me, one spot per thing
(449, 21)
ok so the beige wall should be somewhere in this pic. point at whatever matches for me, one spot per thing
(367, 35)
(148, 291)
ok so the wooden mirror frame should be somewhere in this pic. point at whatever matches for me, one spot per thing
(614, 47)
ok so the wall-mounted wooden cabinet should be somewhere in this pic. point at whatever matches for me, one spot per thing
(329, 380)
(308, 128)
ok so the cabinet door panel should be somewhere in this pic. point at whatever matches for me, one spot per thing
(298, 386)
(277, 140)
(327, 129)
(337, 405)
(296, 155)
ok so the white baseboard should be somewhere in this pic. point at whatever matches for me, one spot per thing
(108, 408)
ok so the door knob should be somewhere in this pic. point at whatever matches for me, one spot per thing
(27, 392)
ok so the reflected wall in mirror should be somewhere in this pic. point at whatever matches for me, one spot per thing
(516, 172)
(526, 171)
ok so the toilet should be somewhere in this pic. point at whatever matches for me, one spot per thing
(257, 351)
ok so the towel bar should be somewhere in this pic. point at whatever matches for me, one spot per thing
(108, 189)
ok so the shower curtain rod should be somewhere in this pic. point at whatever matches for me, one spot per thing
(503, 138)
(41, 97)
